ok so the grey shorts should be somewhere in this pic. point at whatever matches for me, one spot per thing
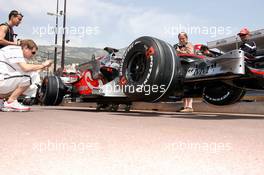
(13, 81)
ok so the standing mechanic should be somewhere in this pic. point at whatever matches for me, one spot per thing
(7, 35)
(249, 47)
(185, 47)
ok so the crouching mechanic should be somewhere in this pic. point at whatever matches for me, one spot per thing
(16, 74)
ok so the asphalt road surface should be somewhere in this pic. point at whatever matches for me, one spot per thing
(79, 141)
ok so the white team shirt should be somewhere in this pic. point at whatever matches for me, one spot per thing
(10, 56)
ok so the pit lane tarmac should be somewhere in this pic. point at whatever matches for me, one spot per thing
(78, 140)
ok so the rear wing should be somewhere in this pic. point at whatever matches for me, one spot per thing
(232, 43)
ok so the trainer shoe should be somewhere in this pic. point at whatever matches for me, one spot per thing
(179, 110)
(14, 107)
(187, 109)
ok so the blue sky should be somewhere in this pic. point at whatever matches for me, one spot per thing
(116, 23)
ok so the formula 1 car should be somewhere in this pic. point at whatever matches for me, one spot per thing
(151, 71)
(85, 83)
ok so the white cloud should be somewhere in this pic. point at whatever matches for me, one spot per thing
(119, 24)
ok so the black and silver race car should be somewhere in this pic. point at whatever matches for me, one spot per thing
(151, 71)
(220, 80)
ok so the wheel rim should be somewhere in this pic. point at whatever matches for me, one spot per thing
(43, 90)
(137, 67)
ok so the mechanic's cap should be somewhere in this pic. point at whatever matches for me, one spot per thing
(243, 31)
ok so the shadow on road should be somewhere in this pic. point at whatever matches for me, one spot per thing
(192, 116)
(195, 116)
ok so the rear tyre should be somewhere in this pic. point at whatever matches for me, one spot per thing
(221, 94)
(151, 71)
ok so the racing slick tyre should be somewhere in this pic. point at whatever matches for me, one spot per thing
(52, 91)
(151, 71)
(221, 94)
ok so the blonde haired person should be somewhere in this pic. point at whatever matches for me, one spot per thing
(16, 73)
(185, 47)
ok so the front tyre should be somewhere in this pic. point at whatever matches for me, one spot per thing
(52, 91)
